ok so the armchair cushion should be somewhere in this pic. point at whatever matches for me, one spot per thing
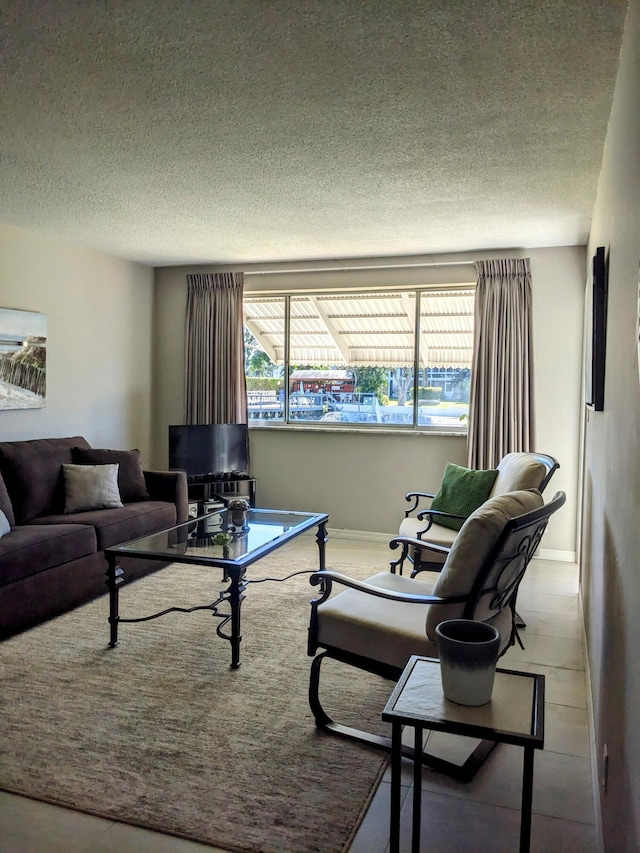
(389, 631)
(518, 471)
(477, 538)
(461, 492)
(412, 526)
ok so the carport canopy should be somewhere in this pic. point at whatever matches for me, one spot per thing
(366, 329)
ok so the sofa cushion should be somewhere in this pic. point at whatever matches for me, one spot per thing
(88, 487)
(32, 472)
(5, 502)
(461, 492)
(5, 527)
(32, 549)
(113, 526)
(131, 481)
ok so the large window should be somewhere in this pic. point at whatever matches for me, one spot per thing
(399, 358)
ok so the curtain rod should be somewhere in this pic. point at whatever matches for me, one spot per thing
(361, 268)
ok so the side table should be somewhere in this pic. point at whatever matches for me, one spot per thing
(515, 714)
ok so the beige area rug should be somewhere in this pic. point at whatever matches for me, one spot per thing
(161, 733)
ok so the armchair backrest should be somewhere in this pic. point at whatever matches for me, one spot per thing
(518, 471)
(490, 554)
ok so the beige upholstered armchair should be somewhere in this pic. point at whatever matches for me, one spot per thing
(377, 624)
(515, 471)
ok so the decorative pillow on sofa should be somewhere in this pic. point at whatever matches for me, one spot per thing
(88, 487)
(130, 477)
(5, 527)
(461, 492)
(32, 473)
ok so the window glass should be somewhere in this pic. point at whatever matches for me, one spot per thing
(446, 349)
(264, 357)
(352, 358)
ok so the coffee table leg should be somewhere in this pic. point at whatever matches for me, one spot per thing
(115, 576)
(235, 600)
(321, 539)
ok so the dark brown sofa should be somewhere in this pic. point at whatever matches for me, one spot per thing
(52, 561)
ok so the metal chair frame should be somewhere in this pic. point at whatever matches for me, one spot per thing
(498, 577)
(414, 554)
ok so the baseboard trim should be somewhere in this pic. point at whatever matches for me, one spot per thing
(371, 536)
(368, 535)
(595, 776)
(560, 556)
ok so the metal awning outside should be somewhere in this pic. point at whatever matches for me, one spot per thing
(325, 375)
(367, 329)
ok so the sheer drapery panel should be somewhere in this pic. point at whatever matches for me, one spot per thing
(215, 384)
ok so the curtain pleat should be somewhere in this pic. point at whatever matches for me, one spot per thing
(501, 403)
(215, 384)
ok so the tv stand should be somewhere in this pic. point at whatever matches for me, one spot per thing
(207, 487)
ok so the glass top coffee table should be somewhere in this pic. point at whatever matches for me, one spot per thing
(196, 542)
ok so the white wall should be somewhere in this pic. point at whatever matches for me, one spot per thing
(611, 533)
(99, 320)
(558, 282)
(360, 478)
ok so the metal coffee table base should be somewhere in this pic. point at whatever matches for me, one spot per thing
(227, 606)
(234, 595)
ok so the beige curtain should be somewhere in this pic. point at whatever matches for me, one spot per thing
(501, 409)
(215, 385)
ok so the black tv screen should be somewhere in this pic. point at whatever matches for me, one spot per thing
(206, 449)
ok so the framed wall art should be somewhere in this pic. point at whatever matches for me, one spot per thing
(23, 359)
(596, 331)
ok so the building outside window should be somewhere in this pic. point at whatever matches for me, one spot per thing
(383, 358)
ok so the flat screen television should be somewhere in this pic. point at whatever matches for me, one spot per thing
(209, 449)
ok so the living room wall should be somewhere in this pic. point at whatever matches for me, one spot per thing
(99, 318)
(611, 536)
(360, 478)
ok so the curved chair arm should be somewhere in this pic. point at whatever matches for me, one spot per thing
(433, 514)
(401, 541)
(415, 497)
(326, 579)
(406, 542)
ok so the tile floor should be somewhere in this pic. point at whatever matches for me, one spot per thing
(478, 817)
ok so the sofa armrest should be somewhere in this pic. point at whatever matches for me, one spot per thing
(170, 486)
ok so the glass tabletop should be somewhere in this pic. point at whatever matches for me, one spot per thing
(212, 539)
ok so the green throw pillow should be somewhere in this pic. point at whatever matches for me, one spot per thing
(462, 491)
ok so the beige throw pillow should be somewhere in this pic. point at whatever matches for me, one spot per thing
(88, 487)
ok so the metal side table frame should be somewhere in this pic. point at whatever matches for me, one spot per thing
(514, 715)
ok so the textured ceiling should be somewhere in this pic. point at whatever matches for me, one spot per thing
(212, 131)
